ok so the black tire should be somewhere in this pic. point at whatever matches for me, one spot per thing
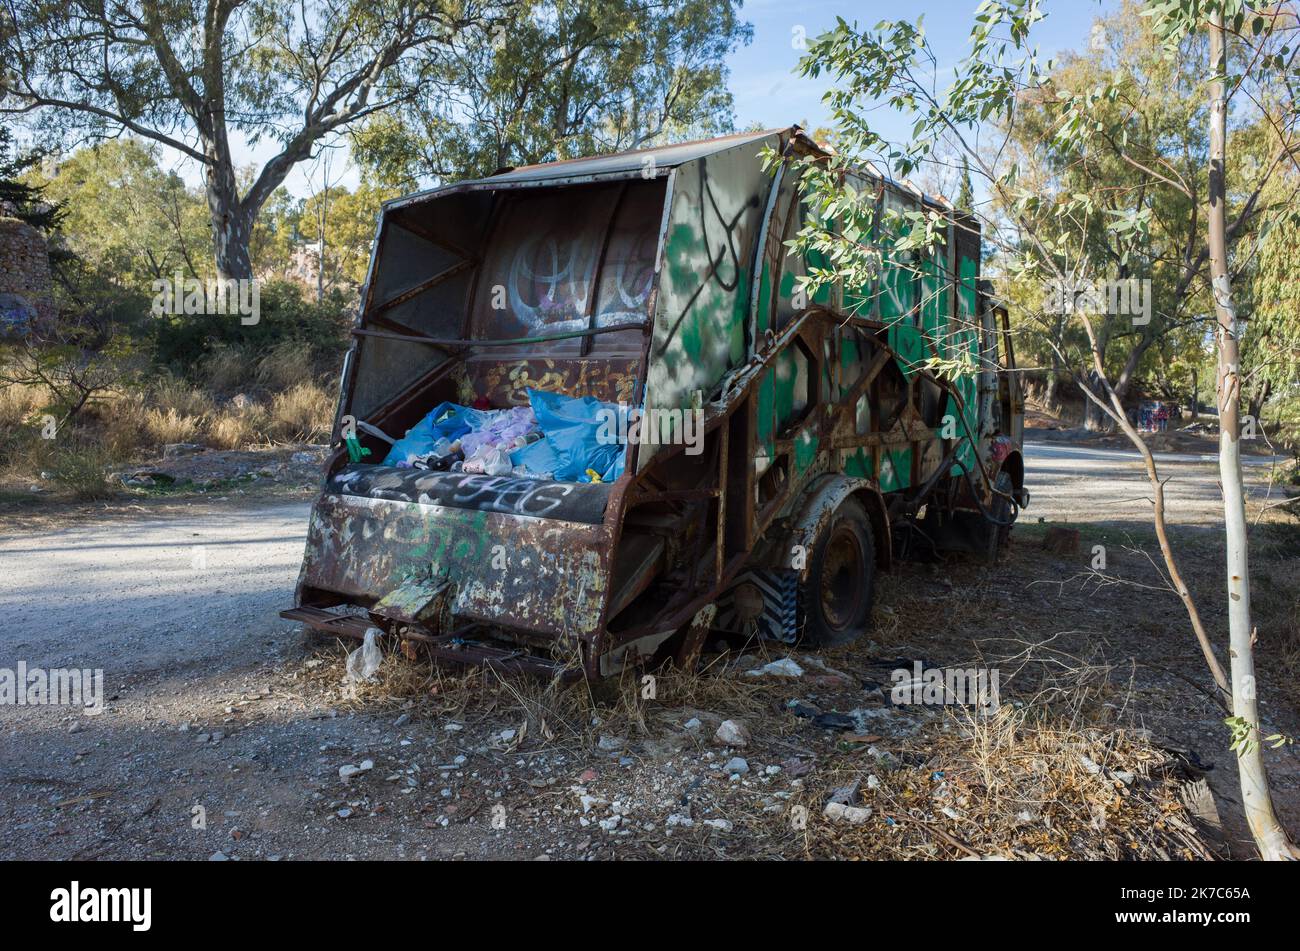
(989, 538)
(838, 595)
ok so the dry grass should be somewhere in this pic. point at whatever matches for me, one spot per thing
(170, 395)
(18, 402)
(1059, 771)
(284, 367)
(169, 426)
(1041, 778)
(1017, 784)
(228, 369)
(133, 423)
(236, 427)
(303, 412)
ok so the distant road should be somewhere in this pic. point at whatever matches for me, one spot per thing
(1090, 484)
(1060, 450)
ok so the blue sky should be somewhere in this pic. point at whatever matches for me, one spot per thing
(767, 91)
(763, 83)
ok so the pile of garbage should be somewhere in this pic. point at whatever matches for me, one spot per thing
(565, 438)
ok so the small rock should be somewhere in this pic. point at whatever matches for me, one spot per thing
(347, 770)
(218, 857)
(838, 812)
(611, 744)
(722, 825)
(732, 733)
(401, 721)
(736, 766)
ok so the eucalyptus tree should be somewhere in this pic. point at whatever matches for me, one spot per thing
(1051, 236)
(560, 79)
(191, 75)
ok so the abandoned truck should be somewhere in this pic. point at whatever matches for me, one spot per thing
(787, 447)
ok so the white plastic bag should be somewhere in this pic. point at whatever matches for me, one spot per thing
(497, 462)
(365, 660)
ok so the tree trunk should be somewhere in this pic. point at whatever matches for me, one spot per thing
(231, 221)
(1270, 838)
(1257, 400)
(1196, 396)
(1049, 392)
(1095, 419)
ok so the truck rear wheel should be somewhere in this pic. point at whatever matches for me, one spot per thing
(838, 594)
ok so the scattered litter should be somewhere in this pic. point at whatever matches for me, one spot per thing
(785, 667)
(365, 660)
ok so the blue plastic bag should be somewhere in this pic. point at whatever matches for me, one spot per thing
(537, 457)
(577, 430)
(445, 421)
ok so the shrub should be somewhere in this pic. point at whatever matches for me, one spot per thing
(80, 468)
(184, 343)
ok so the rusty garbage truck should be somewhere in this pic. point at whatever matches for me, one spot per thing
(759, 457)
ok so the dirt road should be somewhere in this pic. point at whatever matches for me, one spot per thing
(210, 715)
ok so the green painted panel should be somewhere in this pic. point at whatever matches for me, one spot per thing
(857, 462)
(705, 279)
(895, 469)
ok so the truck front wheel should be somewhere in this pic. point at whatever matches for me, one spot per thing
(838, 593)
